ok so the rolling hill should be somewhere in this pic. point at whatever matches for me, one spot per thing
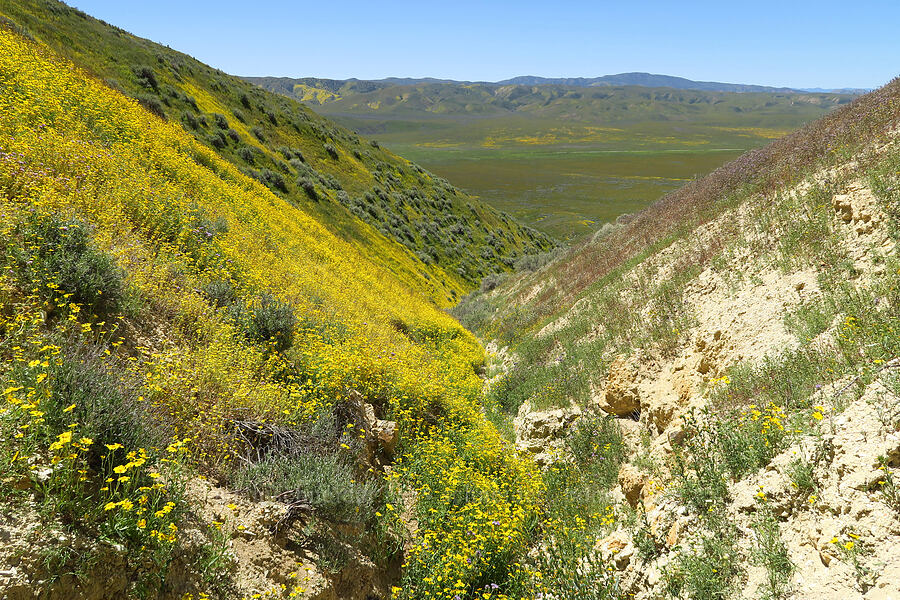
(361, 191)
(667, 96)
(334, 86)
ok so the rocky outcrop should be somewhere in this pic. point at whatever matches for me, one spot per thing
(619, 395)
(541, 432)
(632, 481)
(381, 435)
(851, 458)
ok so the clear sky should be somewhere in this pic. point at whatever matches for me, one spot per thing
(794, 43)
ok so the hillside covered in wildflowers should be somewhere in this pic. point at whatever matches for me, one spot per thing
(227, 367)
(156, 300)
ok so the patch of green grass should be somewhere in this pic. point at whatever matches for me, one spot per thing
(770, 552)
(710, 568)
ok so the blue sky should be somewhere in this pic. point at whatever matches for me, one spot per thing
(783, 43)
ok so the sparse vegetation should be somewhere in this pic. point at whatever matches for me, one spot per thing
(710, 569)
(771, 553)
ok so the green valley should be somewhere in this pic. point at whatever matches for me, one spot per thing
(562, 158)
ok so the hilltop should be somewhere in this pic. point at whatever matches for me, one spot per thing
(335, 88)
(539, 97)
(361, 191)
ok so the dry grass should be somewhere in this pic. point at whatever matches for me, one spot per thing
(783, 162)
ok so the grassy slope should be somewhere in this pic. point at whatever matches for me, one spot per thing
(593, 268)
(624, 292)
(563, 158)
(287, 147)
(184, 362)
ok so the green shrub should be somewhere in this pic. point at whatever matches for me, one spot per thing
(220, 293)
(331, 182)
(189, 120)
(709, 572)
(578, 489)
(217, 140)
(331, 150)
(272, 179)
(770, 552)
(306, 184)
(490, 282)
(803, 475)
(473, 311)
(86, 390)
(247, 155)
(57, 257)
(268, 320)
(152, 104)
(571, 568)
(647, 544)
(327, 482)
(220, 121)
(146, 77)
(258, 134)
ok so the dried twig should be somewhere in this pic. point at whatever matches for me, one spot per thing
(891, 364)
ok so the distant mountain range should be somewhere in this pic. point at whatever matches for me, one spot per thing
(620, 79)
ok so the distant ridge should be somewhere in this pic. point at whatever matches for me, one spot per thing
(646, 80)
(620, 79)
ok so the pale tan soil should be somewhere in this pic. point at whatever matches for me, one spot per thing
(740, 319)
(264, 563)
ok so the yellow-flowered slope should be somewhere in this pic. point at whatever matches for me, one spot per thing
(177, 218)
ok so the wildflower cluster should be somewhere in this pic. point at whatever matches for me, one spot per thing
(128, 495)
